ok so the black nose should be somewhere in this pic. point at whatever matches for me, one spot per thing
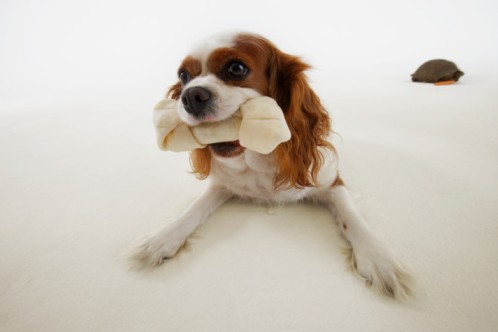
(195, 100)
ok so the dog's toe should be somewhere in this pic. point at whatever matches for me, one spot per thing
(382, 273)
(151, 252)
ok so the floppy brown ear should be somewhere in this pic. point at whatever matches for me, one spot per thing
(175, 91)
(299, 159)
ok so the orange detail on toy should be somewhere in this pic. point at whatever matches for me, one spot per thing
(445, 82)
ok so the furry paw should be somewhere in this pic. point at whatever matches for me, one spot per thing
(155, 249)
(381, 272)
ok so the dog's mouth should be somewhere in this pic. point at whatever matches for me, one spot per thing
(227, 149)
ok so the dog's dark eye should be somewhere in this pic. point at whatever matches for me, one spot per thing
(236, 70)
(184, 77)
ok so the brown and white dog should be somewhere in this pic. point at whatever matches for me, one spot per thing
(216, 77)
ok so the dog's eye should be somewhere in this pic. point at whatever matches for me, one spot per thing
(184, 77)
(236, 70)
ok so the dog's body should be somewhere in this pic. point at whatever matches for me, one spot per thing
(215, 79)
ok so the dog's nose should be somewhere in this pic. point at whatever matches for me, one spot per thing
(195, 100)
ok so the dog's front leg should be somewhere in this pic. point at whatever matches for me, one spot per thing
(369, 257)
(169, 239)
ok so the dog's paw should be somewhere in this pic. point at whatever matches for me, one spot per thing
(381, 272)
(155, 249)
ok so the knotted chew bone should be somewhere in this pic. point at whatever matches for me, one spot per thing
(259, 125)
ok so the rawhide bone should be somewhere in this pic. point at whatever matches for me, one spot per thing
(259, 125)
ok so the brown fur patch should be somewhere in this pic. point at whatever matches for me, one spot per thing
(253, 57)
(192, 66)
(200, 160)
(338, 182)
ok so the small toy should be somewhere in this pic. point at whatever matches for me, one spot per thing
(437, 71)
(258, 125)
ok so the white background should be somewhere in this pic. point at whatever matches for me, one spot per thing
(81, 177)
(59, 50)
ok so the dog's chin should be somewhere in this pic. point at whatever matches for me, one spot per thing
(227, 149)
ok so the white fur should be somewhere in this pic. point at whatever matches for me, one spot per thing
(202, 49)
(250, 176)
(226, 99)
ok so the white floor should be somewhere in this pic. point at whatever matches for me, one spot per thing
(78, 187)
(81, 179)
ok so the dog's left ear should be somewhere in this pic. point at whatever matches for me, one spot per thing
(299, 159)
(175, 91)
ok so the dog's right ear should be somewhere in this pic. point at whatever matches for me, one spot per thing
(175, 91)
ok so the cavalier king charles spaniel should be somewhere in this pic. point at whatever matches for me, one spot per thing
(214, 79)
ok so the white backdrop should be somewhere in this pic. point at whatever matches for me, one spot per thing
(55, 50)
(81, 177)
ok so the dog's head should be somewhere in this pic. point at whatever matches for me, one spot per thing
(223, 72)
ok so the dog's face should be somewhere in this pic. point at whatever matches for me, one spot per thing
(224, 71)
(220, 74)
(217, 76)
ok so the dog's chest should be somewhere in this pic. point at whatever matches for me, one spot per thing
(251, 175)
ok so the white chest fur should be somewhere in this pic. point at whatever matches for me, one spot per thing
(251, 175)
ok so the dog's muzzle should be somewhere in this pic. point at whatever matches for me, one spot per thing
(196, 101)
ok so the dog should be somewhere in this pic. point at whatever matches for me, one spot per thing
(215, 78)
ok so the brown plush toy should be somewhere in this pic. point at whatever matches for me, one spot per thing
(437, 71)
